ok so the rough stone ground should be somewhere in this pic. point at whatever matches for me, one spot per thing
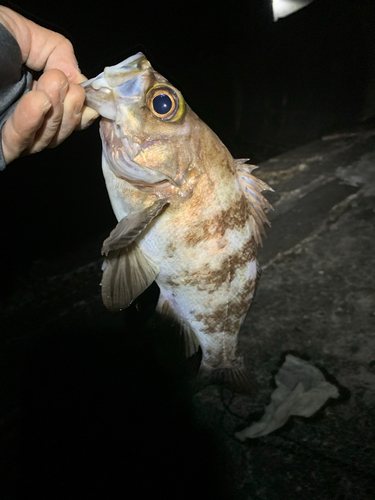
(91, 406)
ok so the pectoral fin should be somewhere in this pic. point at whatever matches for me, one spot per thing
(127, 273)
(131, 226)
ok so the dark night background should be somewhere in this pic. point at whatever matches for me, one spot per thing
(265, 88)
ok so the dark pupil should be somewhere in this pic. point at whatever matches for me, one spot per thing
(162, 104)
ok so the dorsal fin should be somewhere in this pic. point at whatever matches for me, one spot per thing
(241, 161)
(252, 188)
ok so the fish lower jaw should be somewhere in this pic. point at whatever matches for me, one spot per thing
(165, 188)
(151, 188)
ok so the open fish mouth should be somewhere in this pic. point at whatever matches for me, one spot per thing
(125, 83)
(125, 77)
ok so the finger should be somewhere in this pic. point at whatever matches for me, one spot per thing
(72, 113)
(76, 115)
(89, 115)
(62, 57)
(19, 130)
(55, 85)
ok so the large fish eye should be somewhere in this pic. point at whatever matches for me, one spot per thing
(166, 103)
(162, 104)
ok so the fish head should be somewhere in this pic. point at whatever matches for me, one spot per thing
(147, 128)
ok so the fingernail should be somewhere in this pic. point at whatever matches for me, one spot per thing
(47, 106)
(63, 92)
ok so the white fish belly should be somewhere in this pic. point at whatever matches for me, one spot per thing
(210, 285)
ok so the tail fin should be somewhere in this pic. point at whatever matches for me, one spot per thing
(239, 378)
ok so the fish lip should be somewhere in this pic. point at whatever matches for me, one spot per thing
(102, 90)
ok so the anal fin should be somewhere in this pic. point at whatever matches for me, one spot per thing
(126, 274)
(166, 312)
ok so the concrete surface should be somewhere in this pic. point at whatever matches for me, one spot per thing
(93, 405)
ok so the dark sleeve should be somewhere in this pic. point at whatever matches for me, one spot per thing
(15, 80)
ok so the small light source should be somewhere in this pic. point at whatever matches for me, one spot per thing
(283, 8)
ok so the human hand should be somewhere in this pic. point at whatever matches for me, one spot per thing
(54, 107)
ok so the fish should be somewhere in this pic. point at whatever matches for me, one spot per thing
(190, 216)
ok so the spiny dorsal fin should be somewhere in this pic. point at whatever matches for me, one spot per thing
(241, 161)
(258, 184)
(126, 274)
(253, 187)
(130, 226)
(191, 342)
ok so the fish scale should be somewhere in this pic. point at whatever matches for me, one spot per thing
(189, 216)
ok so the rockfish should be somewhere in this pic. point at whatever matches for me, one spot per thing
(189, 216)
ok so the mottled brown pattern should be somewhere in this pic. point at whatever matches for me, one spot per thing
(171, 248)
(212, 210)
(224, 319)
(236, 216)
(170, 282)
(226, 161)
(216, 150)
(216, 277)
(239, 305)
(215, 320)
